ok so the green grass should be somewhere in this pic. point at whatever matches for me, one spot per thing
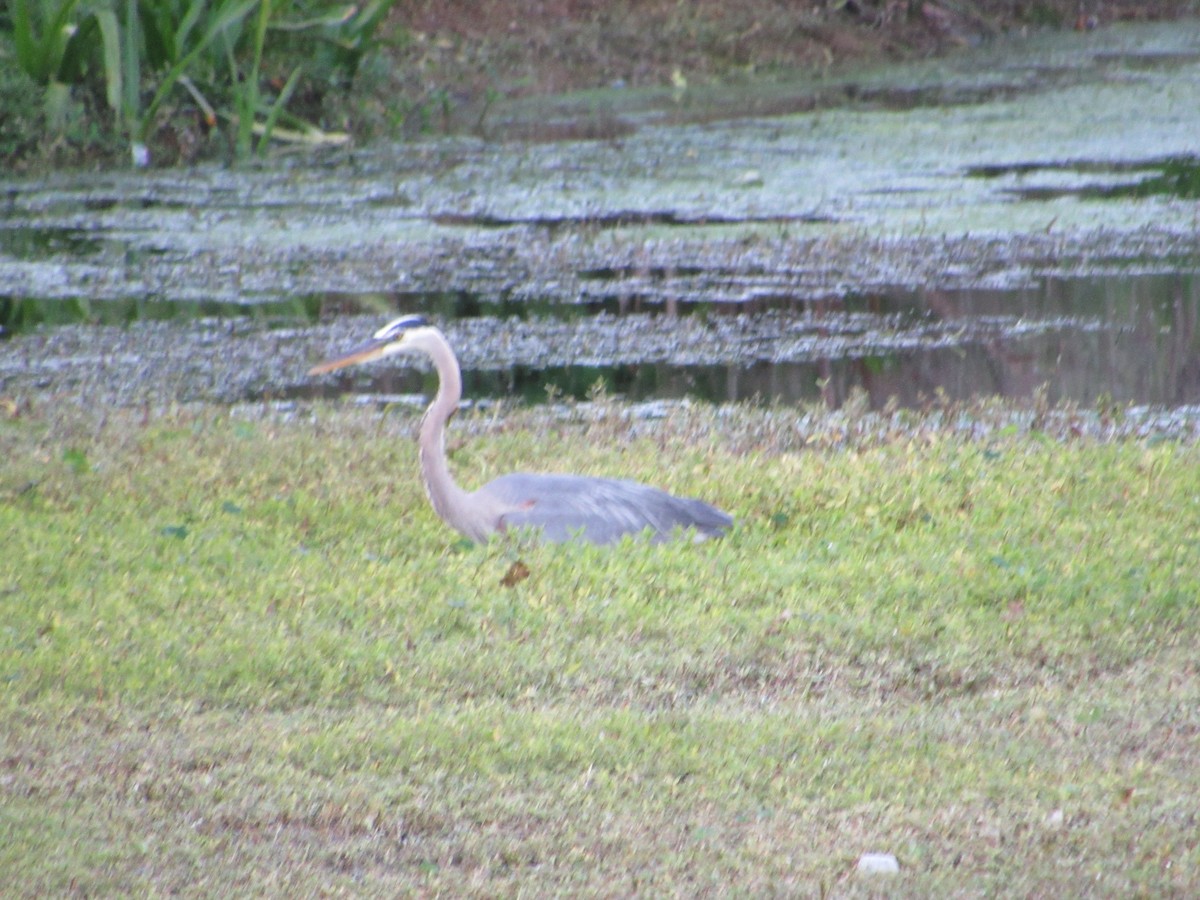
(243, 656)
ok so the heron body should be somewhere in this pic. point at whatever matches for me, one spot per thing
(555, 507)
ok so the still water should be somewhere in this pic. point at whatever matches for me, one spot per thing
(1115, 339)
(1106, 340)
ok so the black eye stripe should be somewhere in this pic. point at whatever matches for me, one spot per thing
(397, 326)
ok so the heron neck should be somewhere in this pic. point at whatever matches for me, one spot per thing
(448, 499)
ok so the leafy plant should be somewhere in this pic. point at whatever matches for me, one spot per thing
(53, 42)
(346, 32)
(41, 40)
(138, 54)
(21, 111)
(187, 46)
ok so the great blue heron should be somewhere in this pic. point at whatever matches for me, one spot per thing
(557, 507)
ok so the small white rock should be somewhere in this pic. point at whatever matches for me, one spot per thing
(878, 864)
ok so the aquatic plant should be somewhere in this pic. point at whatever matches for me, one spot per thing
(223, 53)
(53, 42)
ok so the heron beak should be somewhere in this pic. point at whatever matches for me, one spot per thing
(372, 349)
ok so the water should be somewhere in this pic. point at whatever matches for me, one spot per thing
(1111, 340)
(1000, 230)
(1095, 341)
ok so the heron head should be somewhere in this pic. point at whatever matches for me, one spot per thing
(398, 336)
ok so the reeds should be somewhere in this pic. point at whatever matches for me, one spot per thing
(219, 56)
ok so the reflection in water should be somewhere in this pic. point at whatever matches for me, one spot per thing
(1120, 340)
(1126, 340)
(1132, 340)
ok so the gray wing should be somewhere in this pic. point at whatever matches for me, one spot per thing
(599, 510)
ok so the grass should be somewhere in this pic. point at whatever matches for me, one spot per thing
(240, 655)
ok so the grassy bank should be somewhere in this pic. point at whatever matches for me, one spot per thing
(241, 655)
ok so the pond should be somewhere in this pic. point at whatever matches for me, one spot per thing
(985, 225)
(1111, 340)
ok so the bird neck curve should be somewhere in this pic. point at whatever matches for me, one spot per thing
(449, 501)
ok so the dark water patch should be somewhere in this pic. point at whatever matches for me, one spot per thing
(622, 273)
(1081, 166)
(597, 127)
(1172, 176)
(902, 98)
(1147, 60)
(531, 385)
(667, 300)
(21, 314)
(102, 204)
(1132, 339)
(205, 195)
(51, 242)
(445, 305)
(619, 219)
(1123, 340)
(1061, 366)
(1176, 178)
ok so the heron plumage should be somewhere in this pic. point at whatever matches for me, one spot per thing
(555, 507)
(599, 510)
